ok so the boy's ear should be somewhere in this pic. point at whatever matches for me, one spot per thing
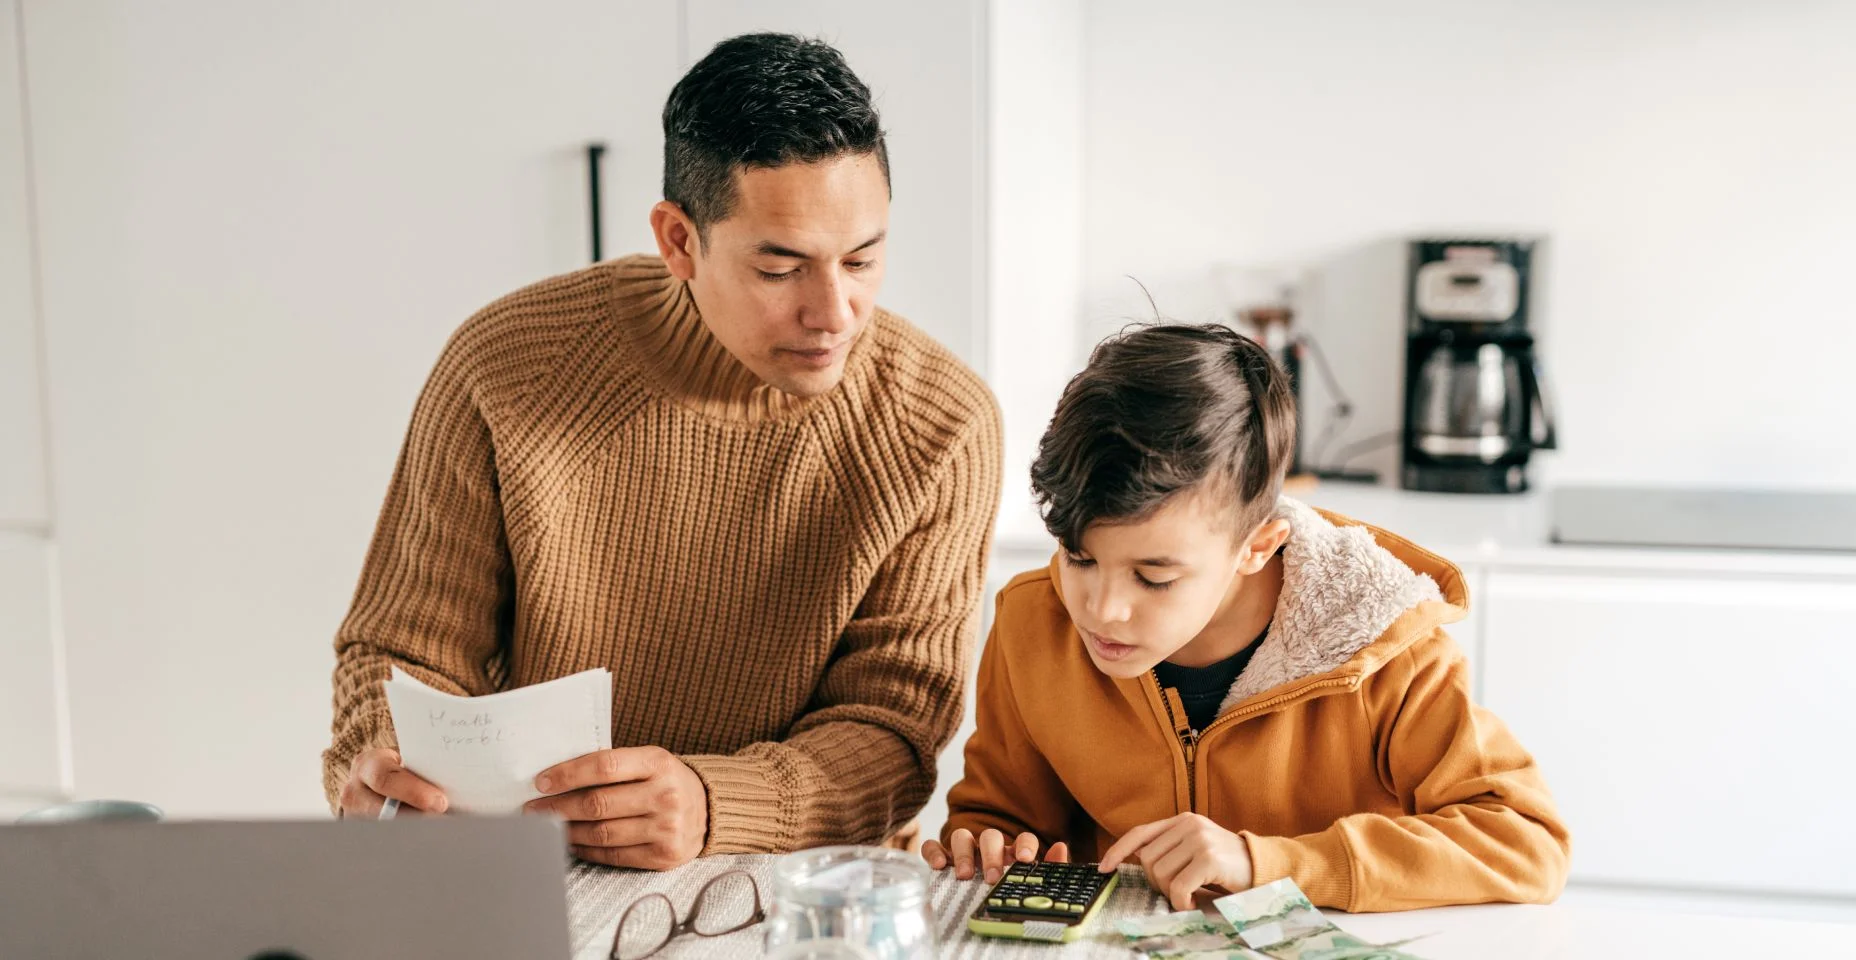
(1263, 545)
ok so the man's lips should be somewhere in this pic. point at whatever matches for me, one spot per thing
(816, 356)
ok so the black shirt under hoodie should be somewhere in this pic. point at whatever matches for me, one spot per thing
(1203, 689)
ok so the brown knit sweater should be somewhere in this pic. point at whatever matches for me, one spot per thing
(785, 589)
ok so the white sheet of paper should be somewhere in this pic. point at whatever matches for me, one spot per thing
(484, 752)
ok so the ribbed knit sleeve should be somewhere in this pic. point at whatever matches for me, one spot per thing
(861, 761)
(437, 582)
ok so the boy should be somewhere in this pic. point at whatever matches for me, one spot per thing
(1229, 687)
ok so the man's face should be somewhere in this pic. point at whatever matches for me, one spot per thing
(1141, 592)
(788, 280)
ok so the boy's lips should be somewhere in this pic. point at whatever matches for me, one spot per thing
(1105, 648)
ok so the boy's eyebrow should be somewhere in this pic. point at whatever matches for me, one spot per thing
(1159, 562)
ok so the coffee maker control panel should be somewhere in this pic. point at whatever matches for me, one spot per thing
(1480, 290)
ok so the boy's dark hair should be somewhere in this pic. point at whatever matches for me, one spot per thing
(1159, 409)
(761, 100)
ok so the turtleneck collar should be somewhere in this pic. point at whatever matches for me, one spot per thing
(676, 349)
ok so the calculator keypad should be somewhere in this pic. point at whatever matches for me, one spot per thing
(1057, 889)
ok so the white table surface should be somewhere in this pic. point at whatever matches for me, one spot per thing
(597, 895)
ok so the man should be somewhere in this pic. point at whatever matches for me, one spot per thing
(723, 473)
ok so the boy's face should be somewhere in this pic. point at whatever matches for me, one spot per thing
(1147, 591)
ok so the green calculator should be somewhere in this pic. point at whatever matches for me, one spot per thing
(1043, 901)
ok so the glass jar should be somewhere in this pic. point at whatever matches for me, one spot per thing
(871, 898)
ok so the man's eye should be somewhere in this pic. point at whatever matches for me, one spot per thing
(776, 277)
(856, 266)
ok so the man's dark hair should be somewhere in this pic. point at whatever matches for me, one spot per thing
(761, 100)
(1162, 409)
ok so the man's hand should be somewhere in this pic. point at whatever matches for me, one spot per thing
(375, 775)
(628, 807)
(992, 851)
(1182, 854)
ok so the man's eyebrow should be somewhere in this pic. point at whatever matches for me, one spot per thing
(768, 248)
(873, 241)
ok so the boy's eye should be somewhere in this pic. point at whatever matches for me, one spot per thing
(1076, 561)
(1153, 584)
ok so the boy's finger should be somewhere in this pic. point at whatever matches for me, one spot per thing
(992, 853)
(1186, 883)
(1131, 841)
(963, 853)
(1026, 849)
(1059, 853)
(1165, 868)
(934, 854)
(1163, 850)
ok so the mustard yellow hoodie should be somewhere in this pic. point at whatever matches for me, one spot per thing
(1348, 755)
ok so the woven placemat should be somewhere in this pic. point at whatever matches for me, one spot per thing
(596, 896)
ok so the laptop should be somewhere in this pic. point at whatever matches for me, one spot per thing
(1701, 517)
(458, 888)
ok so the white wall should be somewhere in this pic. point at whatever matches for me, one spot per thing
(22, 466)
(1690, 162)
(260, 222)
(1034, 179)
(1035, 165)
(922, 63)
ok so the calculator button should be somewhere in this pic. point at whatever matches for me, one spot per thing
(1038, 903)
(996, 902)
(1076, 908)
(1035, 881)
(1012, 901)
(1062, 905)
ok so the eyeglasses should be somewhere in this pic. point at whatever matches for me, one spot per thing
(727, 903)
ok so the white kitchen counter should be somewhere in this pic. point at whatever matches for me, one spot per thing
(1513, 531)
(1505, 531)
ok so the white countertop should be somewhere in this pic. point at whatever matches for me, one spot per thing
(1527, 932)
(1508, 531)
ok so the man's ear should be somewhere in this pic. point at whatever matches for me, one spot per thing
(678, 241)
(1263, 545)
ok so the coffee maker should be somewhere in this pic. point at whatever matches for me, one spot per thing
(1475, 404)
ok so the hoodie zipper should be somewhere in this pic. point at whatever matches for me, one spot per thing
(1189, 738)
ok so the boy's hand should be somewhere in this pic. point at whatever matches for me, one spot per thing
(1182, 854)
(992, 853)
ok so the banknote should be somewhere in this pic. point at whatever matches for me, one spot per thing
(1191, 935)
(1277, 920)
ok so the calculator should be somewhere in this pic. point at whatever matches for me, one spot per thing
(1043, 901)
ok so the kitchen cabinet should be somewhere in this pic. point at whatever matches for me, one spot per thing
(1695, 727)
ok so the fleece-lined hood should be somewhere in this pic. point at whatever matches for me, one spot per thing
(1352, 595)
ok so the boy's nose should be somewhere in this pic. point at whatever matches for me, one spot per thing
(1108, 606)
